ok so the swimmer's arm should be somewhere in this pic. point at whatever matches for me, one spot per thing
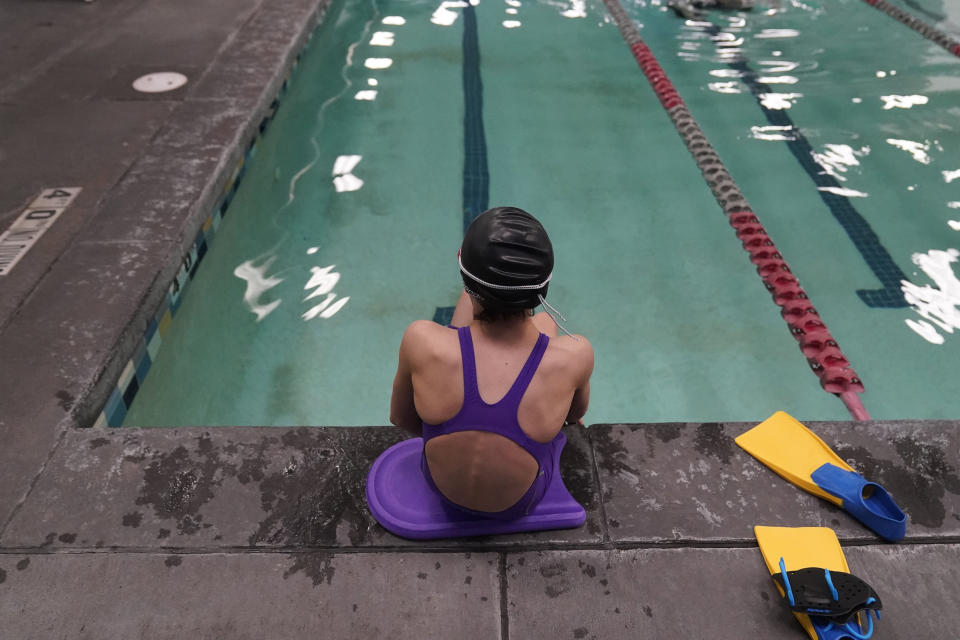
(578, 407)
(403, 412)
(581, 397)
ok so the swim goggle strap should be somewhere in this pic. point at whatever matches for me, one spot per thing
(549, 308)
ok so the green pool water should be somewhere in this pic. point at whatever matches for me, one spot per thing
(346, 226)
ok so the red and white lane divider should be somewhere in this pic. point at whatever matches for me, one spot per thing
(918, 25)
(817, 344)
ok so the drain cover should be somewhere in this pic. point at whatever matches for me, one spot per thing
(160, 82)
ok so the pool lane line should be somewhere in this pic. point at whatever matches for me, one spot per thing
(476, 175)
(913, 4)
(927, 31)
(823, 353)
(861, 234)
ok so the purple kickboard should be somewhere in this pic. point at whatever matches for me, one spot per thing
(401, 500)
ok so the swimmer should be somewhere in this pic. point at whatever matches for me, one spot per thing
(692, 9)
(490, 393)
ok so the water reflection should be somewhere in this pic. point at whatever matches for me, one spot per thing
(378, 63)
(730, 86)
(348, 182)
(343, 178)
(729, 42)
(726, 73)
(938, 305)
(902, 102)
(916, 149)
(443, 16)
(779, 66)
(258, 283)
(777, 33)
(778, 101)
(578, 9)
(382, 39)
(322, 281)
(345, 164)
(843, 191)
(777, 79)
(774, 132)
(797, 4)
(838, 158)
(724, 87)
(727, 39)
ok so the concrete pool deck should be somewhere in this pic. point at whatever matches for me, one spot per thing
(264, 532)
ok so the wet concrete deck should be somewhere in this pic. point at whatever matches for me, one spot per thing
(264, 532)
(256, 533)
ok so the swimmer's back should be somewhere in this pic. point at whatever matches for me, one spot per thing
(476, 469)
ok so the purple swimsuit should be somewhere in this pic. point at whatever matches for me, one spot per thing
(499, 418)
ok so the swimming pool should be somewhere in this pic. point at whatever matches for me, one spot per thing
(405, 117)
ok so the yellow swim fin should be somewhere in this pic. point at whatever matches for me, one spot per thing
(793, 451)
(811, 573)
(802, 458)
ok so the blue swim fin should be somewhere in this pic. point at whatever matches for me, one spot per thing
(802, 458)
(828, 630)
(867, 501)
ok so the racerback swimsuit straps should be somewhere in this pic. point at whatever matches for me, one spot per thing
(499, 418)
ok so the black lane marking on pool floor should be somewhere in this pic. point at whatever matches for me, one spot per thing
(476, 176)
(862, 235)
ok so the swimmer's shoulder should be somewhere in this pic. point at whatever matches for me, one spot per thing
(574, 343)
(576, 349)
(425, 339)
(426, 328)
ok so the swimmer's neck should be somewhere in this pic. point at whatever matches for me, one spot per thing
(510, 330)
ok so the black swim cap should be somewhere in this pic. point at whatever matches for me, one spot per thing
(506, 259)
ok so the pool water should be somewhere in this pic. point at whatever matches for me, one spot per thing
(346, 226)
